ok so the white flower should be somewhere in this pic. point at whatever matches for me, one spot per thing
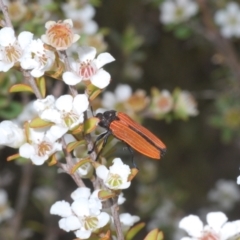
(67, 111)
(82, 18)
(89, 68)
(38, 59)
(162, 103)
(12, 49)
(83, 216)
(5, 211)
(127, 220)
(60, 34)
(216, 227)
(229, 20)
(185, 105)
(177, 11)
(226, 193)
(122, 93)
(117, 175)
(42, 144)
(11, 135)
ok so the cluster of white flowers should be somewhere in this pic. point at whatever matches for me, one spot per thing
(216, 228)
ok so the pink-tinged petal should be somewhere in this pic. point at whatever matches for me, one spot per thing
(49, 24)
(83, 234)
(80, 103)
(216, 220)
(102, 172)
(64, 103)
(7, 36)
(101, 79)
(82, 192)
(103, 59)
(86, 53)
(25, 39)
(61, 208)
(192, 225)
(103, 219)
(26, 150)
(69, 21)
(71, 79)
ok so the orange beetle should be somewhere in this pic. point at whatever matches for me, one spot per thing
(133, 134)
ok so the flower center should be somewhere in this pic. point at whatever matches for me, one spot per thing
(70, 118)
(43, 148)
(90, 223)
(87, 69)
(114, 180)
(12, 53)
(60, 35)
(209, 235)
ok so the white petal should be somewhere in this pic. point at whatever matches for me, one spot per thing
(25, 39)
(61, 208)
(71, 78)
(123, 92)
(238, 180)
(51, 115)
(103, 219)
(82, 192)
(56, 132)
(230, 229)
(42, 104)
(192, 225)
(86, 53)
(102, 172)
(80, 103)
(101, 79)
(4, 67)
(216, 220)
(7, 36)
(90, 27)
(83, 234)
(38, 160)
(26, 150)
(64, 103)
(80, 207)
(103, 59)
(70, 223)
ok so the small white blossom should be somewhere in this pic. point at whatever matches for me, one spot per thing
(82, 18)
(185, 105)
(122, 93)
(11, 135)
(60, 34)
(117, 175)
(217, 227)
(12, 49)
(5, 211)
(89, 68)
(229, 20)
(177, 11)
(42, 144)
(38, 59)
(83, 216)
(66, 111)
(127, 220)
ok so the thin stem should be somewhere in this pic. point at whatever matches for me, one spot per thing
(116, 219)
(4, 9)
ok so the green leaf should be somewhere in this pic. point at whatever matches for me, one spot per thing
(21, 88)
(155, 234)
(39, 123)
(72, 145)
(106, 194)
(41, 83)
(134, 230)
(79, 164)
(90, 124)
(93, 91)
